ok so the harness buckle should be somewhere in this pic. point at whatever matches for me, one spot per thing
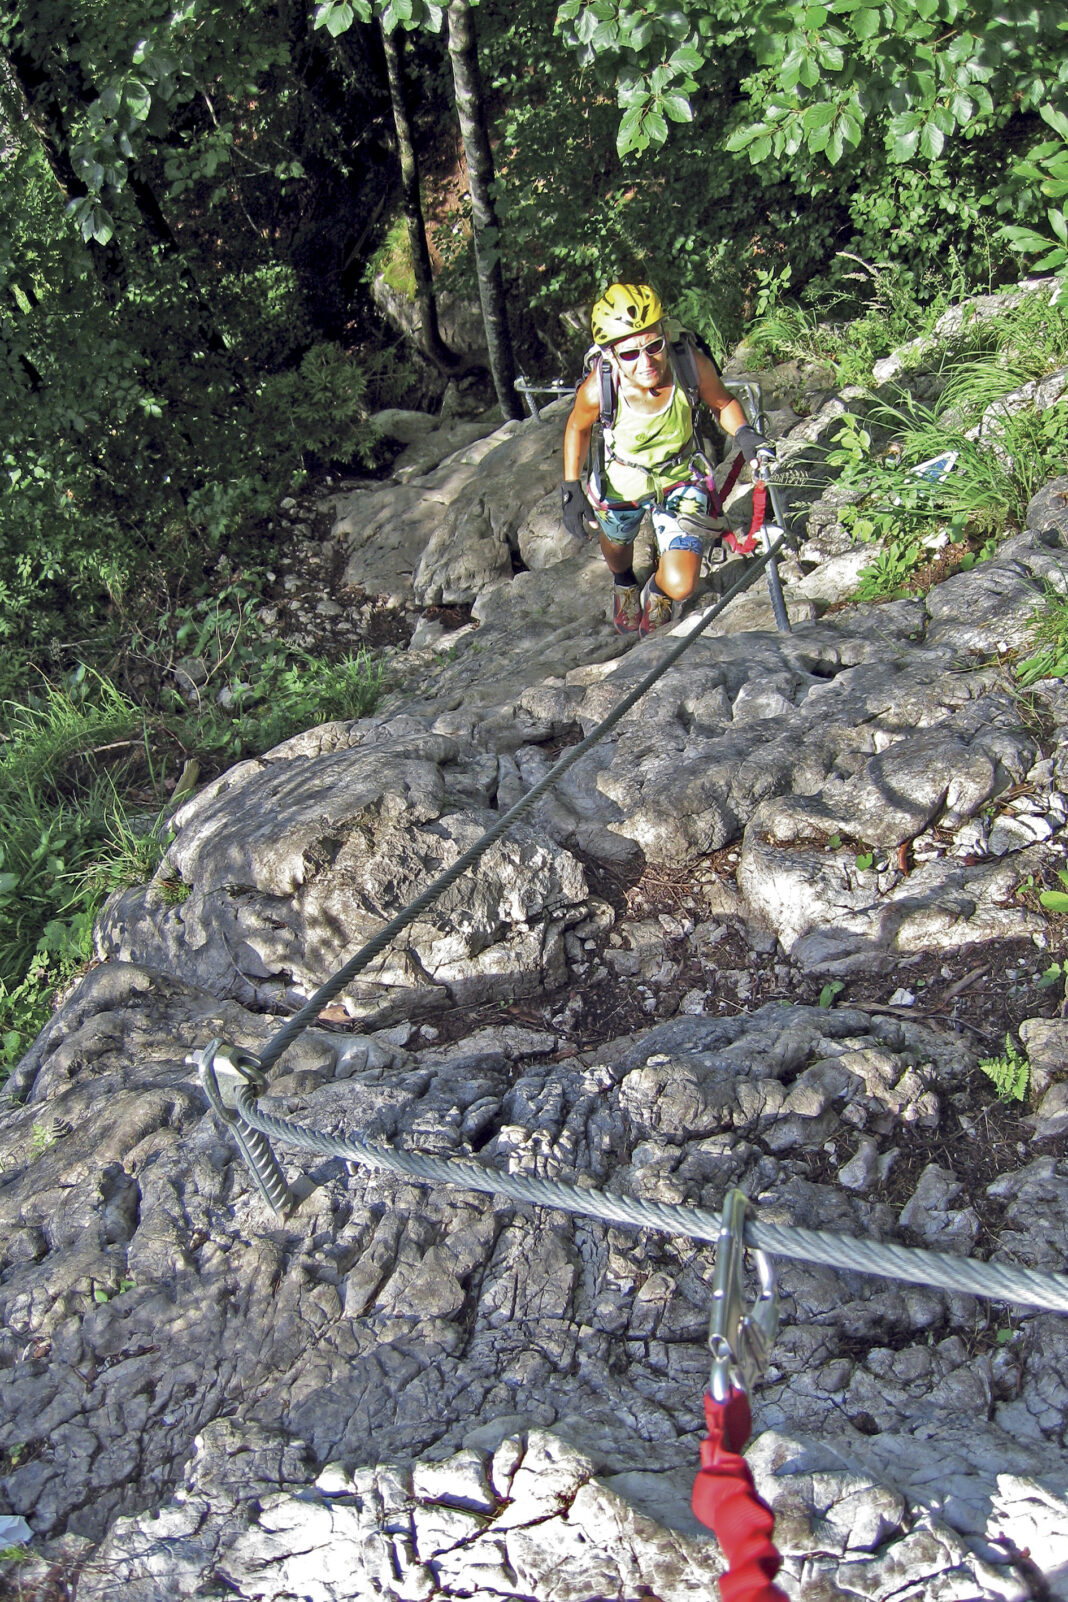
(740, 1335)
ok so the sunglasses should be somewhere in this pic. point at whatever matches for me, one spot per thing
(654, 347)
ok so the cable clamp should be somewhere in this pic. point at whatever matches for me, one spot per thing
(740, 1335)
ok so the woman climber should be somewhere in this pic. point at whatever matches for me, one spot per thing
(636, 390)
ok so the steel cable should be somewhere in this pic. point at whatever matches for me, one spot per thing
(294, 1027)
(942, 1270)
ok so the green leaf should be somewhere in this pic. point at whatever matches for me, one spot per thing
(865, 861)
(586, 26)
(677, 107)
(809, 73)
(791, 67)
(852, 124)
(1054, 900)
(1010, 1073)
(1056, 119)
(1024, 239)
(866, 24)
(818, 116)
(336, 18)
(833, 988)
(904, 145)
(686, 59)
(628, 135)
(96, 224)
(932, 140)
(655, 127)
(99, 1295)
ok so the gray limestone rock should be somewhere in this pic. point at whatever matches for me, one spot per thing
(298, 861)
(402, 424)
(385, 1324)
(1048, 511)
(374, 1345)
(1045, 1041)
(412, 1391)
(990, 608)
(471, 548)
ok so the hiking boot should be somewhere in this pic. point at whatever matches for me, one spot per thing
(655, 611)
(626, 608)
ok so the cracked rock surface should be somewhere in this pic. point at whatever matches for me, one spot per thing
(410, 1391)
(433, 1330)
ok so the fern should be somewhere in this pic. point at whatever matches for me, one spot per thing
(1010, 1073)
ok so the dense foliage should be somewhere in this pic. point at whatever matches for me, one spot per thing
(193, 195)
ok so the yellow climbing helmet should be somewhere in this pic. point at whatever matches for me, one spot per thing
(625, 309)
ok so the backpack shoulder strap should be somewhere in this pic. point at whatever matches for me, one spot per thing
(594, 362)
(683, 348)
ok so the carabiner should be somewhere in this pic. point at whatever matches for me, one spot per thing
(740, 1336)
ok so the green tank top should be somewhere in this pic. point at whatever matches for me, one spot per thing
(645, 454)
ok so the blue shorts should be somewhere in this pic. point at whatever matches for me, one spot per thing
(619, 524)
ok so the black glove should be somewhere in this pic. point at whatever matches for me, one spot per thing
(575, 509)
(754, 447)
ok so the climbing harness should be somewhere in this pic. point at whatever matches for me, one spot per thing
(682, 353)
(695, 463)
(682, 357)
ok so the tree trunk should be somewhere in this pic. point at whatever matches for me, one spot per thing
(470, 110)
(430, 334)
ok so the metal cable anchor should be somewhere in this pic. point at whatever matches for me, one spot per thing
(740, 1335)
(222, 1067)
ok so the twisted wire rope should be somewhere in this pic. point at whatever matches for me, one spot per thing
(294, 1027)
(943, 1270)
(251, 1124)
